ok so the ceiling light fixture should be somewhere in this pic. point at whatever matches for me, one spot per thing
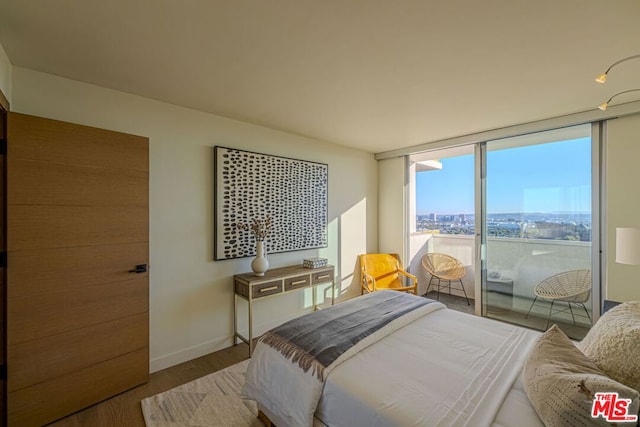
(602, 78)
(604, 105)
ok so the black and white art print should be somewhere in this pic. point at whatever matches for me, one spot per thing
(251, 186)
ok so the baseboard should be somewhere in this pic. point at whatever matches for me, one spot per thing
(199, 350)
(181, 356)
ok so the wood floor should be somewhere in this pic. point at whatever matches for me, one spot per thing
(124, 410)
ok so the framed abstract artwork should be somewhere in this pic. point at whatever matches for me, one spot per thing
(249, 186)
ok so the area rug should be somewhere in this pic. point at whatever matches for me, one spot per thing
(213, 400)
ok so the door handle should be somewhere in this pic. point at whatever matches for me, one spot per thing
(140, 268)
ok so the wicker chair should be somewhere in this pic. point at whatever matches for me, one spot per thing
(572, 287)
(445, 268)
(383, 271)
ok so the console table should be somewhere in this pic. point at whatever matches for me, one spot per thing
(276, 282)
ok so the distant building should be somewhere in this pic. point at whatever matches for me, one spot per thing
(519, 225)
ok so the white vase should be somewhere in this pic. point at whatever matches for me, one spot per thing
(260, 265)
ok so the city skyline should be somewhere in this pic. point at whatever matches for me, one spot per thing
(558, 226)
(549, 178)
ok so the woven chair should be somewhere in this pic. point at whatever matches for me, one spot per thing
(444, 268)
(383, 271)
(572, 287)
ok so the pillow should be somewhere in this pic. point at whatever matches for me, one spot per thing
(560, 382)
(614, 343)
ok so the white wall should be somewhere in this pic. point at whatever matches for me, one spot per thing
(5, 74)
(623, 202)
(191, 296)
(391, 207)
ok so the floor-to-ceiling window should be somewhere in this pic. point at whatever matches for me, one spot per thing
(526, 242)
(538, 230)
(442, 217)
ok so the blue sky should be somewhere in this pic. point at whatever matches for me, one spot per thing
(549, 177)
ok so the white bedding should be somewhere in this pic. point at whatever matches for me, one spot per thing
(444, 369)
(447, 368)
(288, 391)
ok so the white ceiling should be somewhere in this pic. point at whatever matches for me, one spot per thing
(372, 74)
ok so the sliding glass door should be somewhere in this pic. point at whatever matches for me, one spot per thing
(537, 230)
(526, 244)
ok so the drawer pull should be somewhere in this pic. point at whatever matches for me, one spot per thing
(324, 276)
(270, 288)
(298, 282)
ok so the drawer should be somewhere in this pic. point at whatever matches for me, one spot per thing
(296, 282)
(266, 288)
(322, 276)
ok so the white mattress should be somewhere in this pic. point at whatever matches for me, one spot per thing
(380, 387)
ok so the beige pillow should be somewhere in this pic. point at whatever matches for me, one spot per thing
(614, 343)
(560, 382)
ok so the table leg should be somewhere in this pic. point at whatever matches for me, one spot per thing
(314, 289)
(235, 319)
(333, 290)
(250, 309)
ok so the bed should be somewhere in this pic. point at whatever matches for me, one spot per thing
(429, 367)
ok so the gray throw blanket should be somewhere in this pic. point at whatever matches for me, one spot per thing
(314, 341)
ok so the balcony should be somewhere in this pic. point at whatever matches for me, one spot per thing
(515, 267)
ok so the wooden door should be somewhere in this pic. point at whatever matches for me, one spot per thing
(4, 107)
(77, 222)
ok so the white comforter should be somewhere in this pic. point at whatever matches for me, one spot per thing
(290, 394)
(443, 369)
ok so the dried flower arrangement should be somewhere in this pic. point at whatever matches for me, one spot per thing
(260, 227)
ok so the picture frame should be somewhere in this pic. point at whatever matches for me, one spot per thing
(250, 186)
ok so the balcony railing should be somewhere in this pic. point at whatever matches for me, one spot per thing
(511, 262)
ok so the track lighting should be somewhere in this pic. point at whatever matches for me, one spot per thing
(604, 105)
(602, 78)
